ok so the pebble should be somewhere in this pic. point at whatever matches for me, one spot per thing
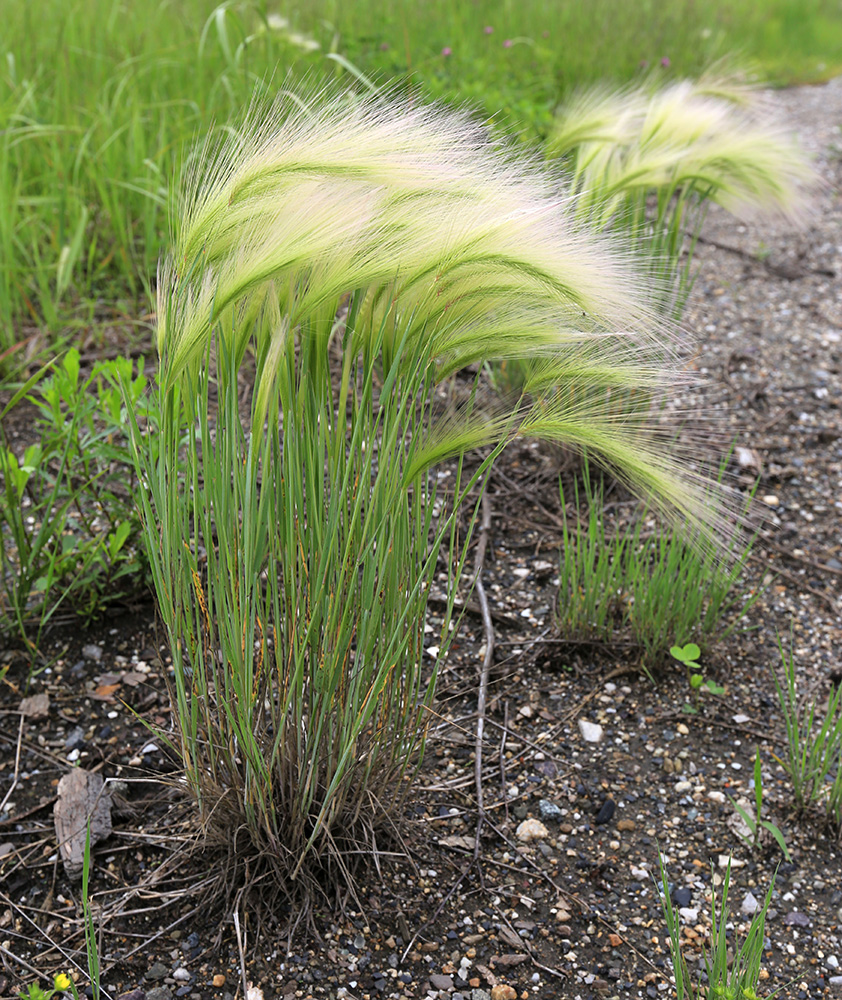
(749, 905)
(683, 786)
(157, 971)
(159, 993)
(682, 896)
(503, 992)
(219, 980)
(181, 975)
(832, 962)
(440, 982)
(606, 812)
(591, 731)
(92, 652)
(626, 825)
(549, 810)
(689, 914)
(531, 829)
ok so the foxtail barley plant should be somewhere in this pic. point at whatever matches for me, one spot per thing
(345, 259)
(650, 160)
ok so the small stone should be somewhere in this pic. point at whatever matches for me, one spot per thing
(626, 825)
(681, 728)
(832, 962)
(682, 896)
(439, 982)
(531, 829)
(715, 796)
(770, 500)
(740, 719)
(219, 980)
(159, 993)
(749, 905)
(157, 971)
(503, 992)
(92, 652)
(181, 975)
(606, 812)
(591, 731)
(689, 914)
(563, 917)
(549, 810)
(683, 786)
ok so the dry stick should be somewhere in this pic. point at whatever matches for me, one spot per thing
(482, 698)
(13, 785)
(503, 757)
(15, 958)
(479, 560)
(242, 950)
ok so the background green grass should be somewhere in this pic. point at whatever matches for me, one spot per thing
(99, 100)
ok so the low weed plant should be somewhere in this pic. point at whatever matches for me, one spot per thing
(67, 514)
(813, 756)
(358, 254)
(753, 820)
(646, 584)
(729, 976)
(689, 654)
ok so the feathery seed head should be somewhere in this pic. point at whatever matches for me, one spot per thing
(709, 137)
(449, 243)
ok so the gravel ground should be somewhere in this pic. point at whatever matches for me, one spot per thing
(589, 768)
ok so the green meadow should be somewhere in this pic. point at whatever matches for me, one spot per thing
(99, 102)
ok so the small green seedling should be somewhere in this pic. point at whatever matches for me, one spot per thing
(689, 656)
(755, 823)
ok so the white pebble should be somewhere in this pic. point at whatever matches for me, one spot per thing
(591, 731)
(531, 829)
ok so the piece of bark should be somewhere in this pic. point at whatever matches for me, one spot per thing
(81, 796)
(36, 706)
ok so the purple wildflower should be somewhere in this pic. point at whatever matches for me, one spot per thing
(447, 51)
(507, 44)
(488, 29)
(665, 61)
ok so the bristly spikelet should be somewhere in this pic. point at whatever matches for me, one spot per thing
(447, 240)
(711, 136)
(375, 194)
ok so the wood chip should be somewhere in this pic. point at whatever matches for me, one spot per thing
(36, 706)
(81, 797)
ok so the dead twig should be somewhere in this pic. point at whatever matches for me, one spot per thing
(487, 660)
(14, 783)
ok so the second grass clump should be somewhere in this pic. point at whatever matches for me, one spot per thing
(645, 585)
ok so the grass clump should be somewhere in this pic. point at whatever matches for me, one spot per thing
(649, 159)
(293, 543)
(645, 585)
(813, 757)
(728, 976)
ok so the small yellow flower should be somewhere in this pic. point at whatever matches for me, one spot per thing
(62, 982)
